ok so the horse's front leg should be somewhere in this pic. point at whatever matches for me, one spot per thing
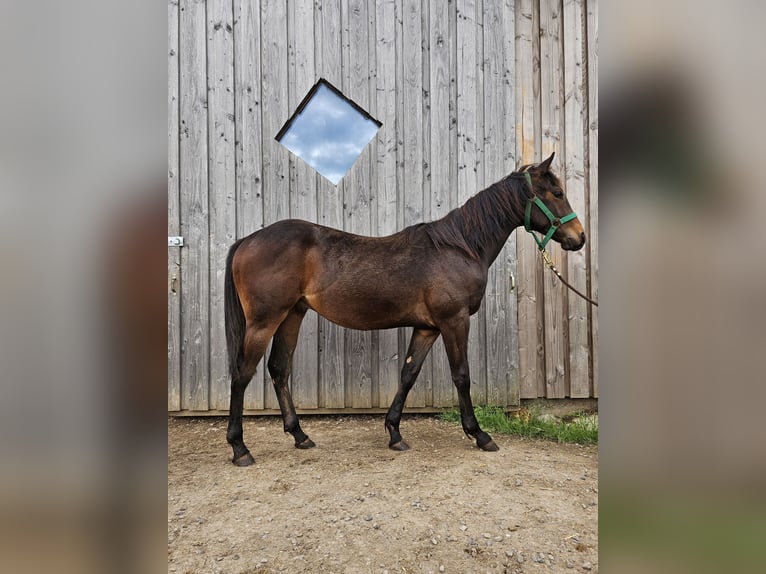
(420, 344)
(455, 336)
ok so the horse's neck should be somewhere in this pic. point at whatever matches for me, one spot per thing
(495, 237)
(495, 245)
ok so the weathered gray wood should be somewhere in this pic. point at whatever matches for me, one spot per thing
(330, 207)
(425, 382)
(193, 153)
(527, 69)
(592, 135)
(498, 356)
(276, 193)
(442, 197)
(510, 258)
(303, 197)
(551, 67)
(401, 158)
(222, 187)
(174, 216)
(412, 136)
(319, 411)
(457, 86)
(248, 129)
(538, 265)
(357, 199)
(467, 160)
(575, 103)
(387, 191)
(372, 87)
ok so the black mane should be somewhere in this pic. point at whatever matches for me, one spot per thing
(483, 219)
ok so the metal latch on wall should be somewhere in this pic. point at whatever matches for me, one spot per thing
(175, 241)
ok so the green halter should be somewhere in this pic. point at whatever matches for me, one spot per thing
(555, 221)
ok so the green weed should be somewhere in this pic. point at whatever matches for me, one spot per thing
(528, 423)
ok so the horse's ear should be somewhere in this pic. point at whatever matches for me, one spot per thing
(545, 166)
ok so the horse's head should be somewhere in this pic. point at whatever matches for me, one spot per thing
(547, 210)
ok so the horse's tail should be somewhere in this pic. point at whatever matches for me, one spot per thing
(234, 317)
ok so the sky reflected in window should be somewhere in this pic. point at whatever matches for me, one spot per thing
(329, 133)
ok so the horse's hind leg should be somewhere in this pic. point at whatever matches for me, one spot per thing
(420, 344)
(280, 366)
(255, 343)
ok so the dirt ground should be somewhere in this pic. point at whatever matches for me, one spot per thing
(352, 505)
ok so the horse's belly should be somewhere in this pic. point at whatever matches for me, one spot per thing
(368, 311)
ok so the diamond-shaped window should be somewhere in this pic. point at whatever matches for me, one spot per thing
(328, 131)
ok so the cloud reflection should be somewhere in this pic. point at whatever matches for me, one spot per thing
(329, 134)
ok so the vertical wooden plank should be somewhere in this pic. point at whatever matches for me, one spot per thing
(195, 345)
(247, 119)
(454, 145)
(174, 223)
(403, 334)
(276, 201)
(303, 199)
(222, 190)
(527, 95)
(592, 35)
(509, 159)
(551, 66)
(575, 144)
(477, 353)
(425, 382)
(496, 300)
(357, 199)
(539, 267)
(330, 207)
(412, 136)
(372, 86)
(468, 126)
(440, 42)
(386, 197)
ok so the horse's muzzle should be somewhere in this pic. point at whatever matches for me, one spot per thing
(573, 243)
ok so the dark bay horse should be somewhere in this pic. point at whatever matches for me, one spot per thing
(430, 276)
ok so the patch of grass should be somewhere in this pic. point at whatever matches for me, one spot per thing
(528, 423)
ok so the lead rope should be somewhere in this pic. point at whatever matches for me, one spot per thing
(555, 223)
(549, 263)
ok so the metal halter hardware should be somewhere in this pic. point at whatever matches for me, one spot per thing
(555, 221)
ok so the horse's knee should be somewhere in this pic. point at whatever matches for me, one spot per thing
(462, 382)
(276, 370)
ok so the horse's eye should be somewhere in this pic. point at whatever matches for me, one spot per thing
(558, 193)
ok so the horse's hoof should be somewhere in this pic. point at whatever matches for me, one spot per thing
(244, 460)
(400, 446)
(308, 443)
(490, 447)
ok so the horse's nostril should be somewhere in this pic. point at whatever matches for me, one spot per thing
(582, 236)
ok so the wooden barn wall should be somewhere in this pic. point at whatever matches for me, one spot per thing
(466, 90)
